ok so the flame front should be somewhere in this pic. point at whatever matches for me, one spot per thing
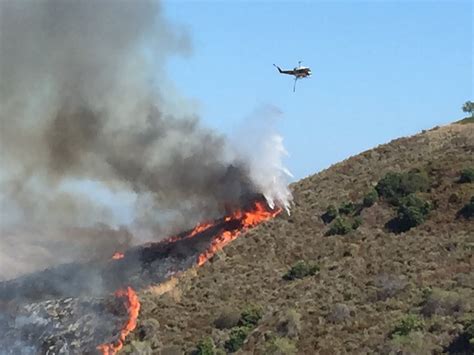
(238, 222)
(247, 219)
(133, 308)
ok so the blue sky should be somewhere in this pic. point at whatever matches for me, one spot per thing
(380, 69)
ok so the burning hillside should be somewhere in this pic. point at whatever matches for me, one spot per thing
(114, 163)
(97, 161)
(53, 310)
(132, 305)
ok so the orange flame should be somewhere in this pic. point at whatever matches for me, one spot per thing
(133, 307)
(244, 221)
(248, 219)
(117, 256)
(201, 227)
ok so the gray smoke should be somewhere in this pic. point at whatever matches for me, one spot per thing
(83, 98)
(95, 155)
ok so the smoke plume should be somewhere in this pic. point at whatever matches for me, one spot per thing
(83, 99)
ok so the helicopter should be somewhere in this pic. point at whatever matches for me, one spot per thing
(298, 72)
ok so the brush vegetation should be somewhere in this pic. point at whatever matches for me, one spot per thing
(300, 270)
(382, 288)
(467, 175)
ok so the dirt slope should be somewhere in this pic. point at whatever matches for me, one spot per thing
(368, 281)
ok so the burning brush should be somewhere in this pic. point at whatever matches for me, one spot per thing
(138, 268)
(228, 229)
(132, 304)
(99, 117)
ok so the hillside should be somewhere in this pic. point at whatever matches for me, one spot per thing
(376, 291)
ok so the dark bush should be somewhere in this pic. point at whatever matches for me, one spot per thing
(467, 175)
(370, 198)
(408, 324)
(228, 319)
(412, 211)
(206, 347)
(464, 342)
(356, 223)
(454, 198)
(250, 316)
(469, 330)
(330, 214)
(301, 269)
(394, 186)
(468, 210)
(340, 226)
(347, 208)
(237, 338)
(389, 187)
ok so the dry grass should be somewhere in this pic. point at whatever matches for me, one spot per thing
(368, 279)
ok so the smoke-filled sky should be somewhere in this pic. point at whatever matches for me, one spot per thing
(381, 69)
(123, 121)
(88, 109)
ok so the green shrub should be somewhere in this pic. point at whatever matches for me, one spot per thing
(330, 214)
(206, 347)
(468, 210)
(340, 226)
(301, 269)
(394, 186)
(356, 223)
(347, 208)
(467, 175)
(237, 338)
(407, 325)
(415, 180)
(250, 316)
(370, 198)
(412, 211)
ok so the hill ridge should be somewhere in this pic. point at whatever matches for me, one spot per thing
(369, 279)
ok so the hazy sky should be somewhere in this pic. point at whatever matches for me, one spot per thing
(380, 69)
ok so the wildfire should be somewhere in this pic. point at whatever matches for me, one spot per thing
(199, 229)
(228, 229)
(247, 219)
(133, 307)
(117, 256)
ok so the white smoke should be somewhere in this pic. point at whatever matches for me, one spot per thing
(84, 98)
(261, 147)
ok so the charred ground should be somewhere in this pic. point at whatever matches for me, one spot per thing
(373, 290)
